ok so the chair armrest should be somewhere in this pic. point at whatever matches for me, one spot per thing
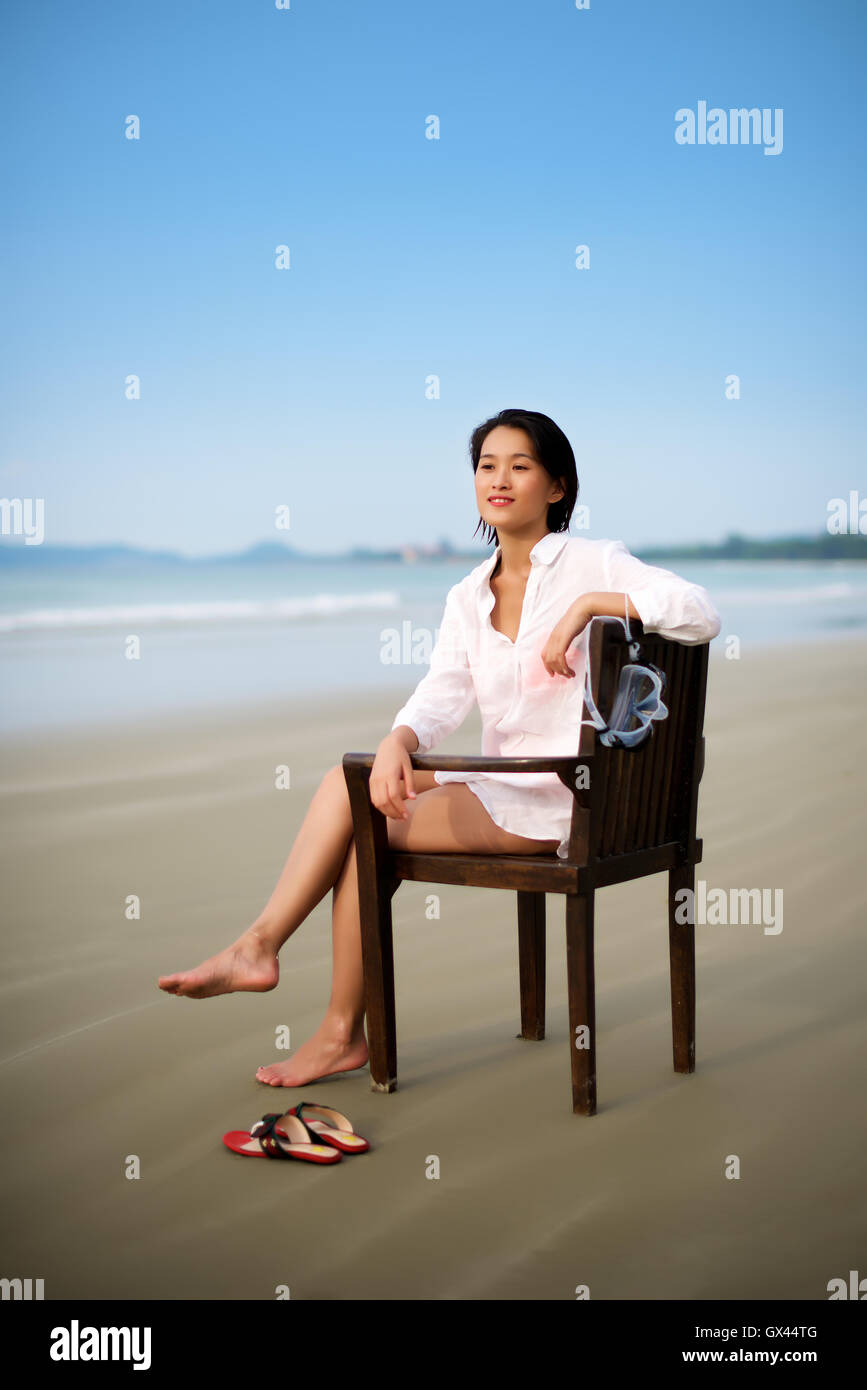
(460, 762)
(566, 767)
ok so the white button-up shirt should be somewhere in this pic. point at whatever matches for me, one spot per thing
(525, 711)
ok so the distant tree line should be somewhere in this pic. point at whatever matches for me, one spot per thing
(737, 547)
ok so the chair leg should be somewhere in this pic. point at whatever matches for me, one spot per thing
(681, 950)
(581, 986)
(377, 950)
(531, 964)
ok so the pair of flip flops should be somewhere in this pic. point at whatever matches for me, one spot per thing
(317, 1140)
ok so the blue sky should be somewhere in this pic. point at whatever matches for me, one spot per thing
(411, 257)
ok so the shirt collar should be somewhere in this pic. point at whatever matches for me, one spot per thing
(543, 552)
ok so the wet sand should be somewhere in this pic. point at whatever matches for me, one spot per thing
(97, 1065)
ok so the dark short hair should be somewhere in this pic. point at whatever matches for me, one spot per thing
(553, 451)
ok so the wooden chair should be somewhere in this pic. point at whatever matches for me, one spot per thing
(637, 816)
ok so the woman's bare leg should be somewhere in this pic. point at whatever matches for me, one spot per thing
(339, 1043)
(442, 818)
(312, 868)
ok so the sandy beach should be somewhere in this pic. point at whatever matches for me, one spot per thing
(99, 1066)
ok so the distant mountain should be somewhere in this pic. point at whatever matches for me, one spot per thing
(127, 556)
(266, 552)
(109, 556)
(13, 552)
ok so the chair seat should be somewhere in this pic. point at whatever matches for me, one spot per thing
(540, 873)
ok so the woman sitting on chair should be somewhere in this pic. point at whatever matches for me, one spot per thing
(505, 642)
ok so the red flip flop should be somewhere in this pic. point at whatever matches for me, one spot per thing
(336, 1130)
(280, 1136)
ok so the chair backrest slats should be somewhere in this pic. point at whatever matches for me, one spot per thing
(673, 769)
(613, 802)
(650, 825)
(629, 806)
(644, 790)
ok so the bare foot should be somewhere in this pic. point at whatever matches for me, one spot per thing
(249, 963)
(320, 1056)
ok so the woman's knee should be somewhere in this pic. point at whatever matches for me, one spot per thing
(334, 793)
(335, 778)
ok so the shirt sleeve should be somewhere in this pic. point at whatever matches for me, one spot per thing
(666, 603)
(445, 695)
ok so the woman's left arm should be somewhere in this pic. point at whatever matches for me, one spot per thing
(665, 602)
(662, 601)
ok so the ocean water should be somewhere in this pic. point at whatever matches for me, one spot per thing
(219, 633)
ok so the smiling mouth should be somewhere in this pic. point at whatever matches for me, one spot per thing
(501, 501)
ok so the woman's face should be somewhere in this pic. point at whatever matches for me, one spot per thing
(508, 468)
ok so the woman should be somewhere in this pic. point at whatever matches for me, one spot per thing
(504, 641)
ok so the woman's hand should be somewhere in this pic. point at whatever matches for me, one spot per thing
(574, 621)
(570, 626)
(391, 773)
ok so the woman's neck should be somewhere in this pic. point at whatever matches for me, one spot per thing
(514, 557)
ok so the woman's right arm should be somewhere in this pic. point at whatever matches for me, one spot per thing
(438, 705)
